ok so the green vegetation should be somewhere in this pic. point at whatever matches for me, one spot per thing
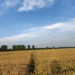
(3, 48)
(22, 47)
(33, 47)
(29, 47)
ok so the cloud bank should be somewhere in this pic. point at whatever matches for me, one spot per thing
(59, 34)
(55, 28)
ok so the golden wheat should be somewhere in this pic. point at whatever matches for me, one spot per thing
(15, 62)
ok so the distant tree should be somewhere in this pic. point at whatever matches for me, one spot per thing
(28, 46)
(46, 47)
(53, 47)
(33, 47)
(59, 47)
(9, 49)
(18, 47)
(4, 47)
(22, 47)
(0, 49)
(71, 47)
(14, 47)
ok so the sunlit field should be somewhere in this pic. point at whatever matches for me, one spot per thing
(47, 62)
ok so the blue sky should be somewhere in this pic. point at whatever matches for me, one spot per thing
(37, 22)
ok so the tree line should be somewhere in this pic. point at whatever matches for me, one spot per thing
(23, 47)
(16, 47)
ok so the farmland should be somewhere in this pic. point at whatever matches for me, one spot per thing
(16, 62)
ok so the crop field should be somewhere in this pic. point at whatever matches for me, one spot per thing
(38, 62)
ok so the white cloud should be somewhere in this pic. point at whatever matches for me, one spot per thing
(26, 4)
(45, 30)
(6, 4)
(17, 38)
(9, 3)
(32, 4)
(54, 28)
(54, 35)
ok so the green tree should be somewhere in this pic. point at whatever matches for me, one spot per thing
(46, 47)
(33, 47)
(9, 49)
(22, 47)
(4, 47)
(18, 47)
(53, 47)
(28, 46)
(0, 49)
(14, 47)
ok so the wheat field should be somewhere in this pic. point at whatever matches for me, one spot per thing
(16, 62)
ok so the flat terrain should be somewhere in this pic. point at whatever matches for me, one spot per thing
(14, 62)
(64, 55)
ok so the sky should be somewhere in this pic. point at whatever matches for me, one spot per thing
(43, 23)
